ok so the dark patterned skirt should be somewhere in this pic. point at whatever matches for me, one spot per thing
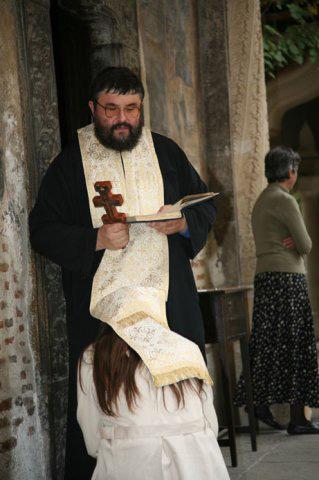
(282, 345)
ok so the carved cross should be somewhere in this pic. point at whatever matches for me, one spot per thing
(109, 201)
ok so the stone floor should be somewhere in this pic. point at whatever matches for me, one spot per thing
(279, 456)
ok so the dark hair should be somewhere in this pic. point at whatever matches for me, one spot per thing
(114, 367)
(119, 80)
(279, 161)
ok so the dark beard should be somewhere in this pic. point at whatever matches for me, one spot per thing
(107, 139)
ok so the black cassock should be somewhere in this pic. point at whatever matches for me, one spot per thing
(61, 230)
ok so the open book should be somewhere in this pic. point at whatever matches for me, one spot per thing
(173, 212)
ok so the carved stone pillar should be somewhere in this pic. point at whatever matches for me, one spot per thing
(43, 135)
(248, 119)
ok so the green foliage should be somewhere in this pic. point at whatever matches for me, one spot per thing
(290, 32)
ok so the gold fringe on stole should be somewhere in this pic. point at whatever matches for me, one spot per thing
(184, 373)
(169, 374)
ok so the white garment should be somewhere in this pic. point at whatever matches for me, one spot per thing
(155, 442)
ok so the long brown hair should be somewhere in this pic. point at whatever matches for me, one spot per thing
(114, 367)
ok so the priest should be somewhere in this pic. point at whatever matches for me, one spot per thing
(148, 263)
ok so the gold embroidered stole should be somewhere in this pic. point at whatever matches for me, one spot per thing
(130, 287)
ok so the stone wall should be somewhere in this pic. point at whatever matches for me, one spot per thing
(168, 40)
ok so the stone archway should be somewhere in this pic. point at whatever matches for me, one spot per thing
(292, 87)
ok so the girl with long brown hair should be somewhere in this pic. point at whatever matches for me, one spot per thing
(138, 431)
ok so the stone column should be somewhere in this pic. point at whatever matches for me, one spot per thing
(232, 78)
(214, 74)
(24, 439)
(42, 131)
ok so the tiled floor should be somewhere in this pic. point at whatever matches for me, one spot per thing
(279, 457)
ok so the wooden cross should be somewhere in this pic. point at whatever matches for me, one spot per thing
(109, 201)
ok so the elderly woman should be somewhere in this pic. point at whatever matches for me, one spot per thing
(282, 344)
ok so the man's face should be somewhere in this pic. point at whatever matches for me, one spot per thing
(117, 120)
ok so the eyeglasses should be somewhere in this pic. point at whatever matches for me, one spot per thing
(131, 111)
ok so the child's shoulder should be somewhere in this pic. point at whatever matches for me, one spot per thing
(88, 356)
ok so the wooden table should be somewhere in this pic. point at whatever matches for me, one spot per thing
(226, 319)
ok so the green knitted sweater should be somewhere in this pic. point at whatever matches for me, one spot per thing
(276, 216)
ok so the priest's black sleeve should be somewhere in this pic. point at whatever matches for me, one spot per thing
(58, 228)
(199, 218)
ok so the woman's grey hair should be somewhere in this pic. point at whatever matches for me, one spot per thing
(279, 161)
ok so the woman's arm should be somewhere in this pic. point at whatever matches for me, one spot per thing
(293, 220)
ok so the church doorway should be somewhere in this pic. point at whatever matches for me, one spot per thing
(72, 52)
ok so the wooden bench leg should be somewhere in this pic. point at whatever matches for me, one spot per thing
(229, 403)
(249, 392)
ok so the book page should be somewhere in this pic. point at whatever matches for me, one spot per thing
(193, 199)
(173, 212)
